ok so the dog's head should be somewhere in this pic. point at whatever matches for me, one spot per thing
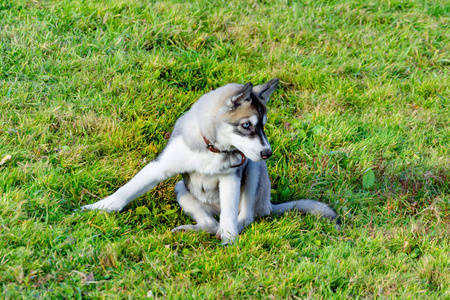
(242, 119)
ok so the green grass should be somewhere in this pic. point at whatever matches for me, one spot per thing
(89, 89)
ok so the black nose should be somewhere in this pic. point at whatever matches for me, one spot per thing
(265, 154)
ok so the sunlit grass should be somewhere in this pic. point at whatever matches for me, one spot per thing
(89, 91)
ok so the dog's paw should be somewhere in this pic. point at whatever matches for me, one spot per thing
(228, 240)
(107, 204)
(226, 237)
(182, 228)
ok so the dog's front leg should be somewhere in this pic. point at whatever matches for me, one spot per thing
(229, 190)
(169, 163)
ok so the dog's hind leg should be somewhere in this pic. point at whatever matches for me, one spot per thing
(201, 213)
(255, 194)
(248, 196)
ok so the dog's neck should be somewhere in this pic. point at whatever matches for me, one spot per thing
(213, 149)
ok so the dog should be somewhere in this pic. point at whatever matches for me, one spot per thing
(219, 146)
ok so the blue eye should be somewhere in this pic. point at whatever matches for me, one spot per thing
(246, 125)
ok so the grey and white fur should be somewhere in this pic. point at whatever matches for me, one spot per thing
(219, 146)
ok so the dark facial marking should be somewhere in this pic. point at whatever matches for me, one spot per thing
(252, 131)
(261, 108)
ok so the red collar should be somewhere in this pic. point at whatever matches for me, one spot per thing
(212, 148)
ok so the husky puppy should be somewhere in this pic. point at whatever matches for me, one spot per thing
(219, 146)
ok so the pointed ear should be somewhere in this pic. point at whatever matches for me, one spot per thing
(240, 96)
(264, 91)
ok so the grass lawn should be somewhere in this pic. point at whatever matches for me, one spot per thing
(89, 91)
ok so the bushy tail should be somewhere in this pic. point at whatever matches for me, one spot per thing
(307, 206)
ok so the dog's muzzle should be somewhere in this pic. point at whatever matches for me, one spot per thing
(265, 154)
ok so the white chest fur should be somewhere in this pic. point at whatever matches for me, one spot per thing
(203, 187)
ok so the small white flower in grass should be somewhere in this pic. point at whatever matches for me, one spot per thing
(5, 159)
